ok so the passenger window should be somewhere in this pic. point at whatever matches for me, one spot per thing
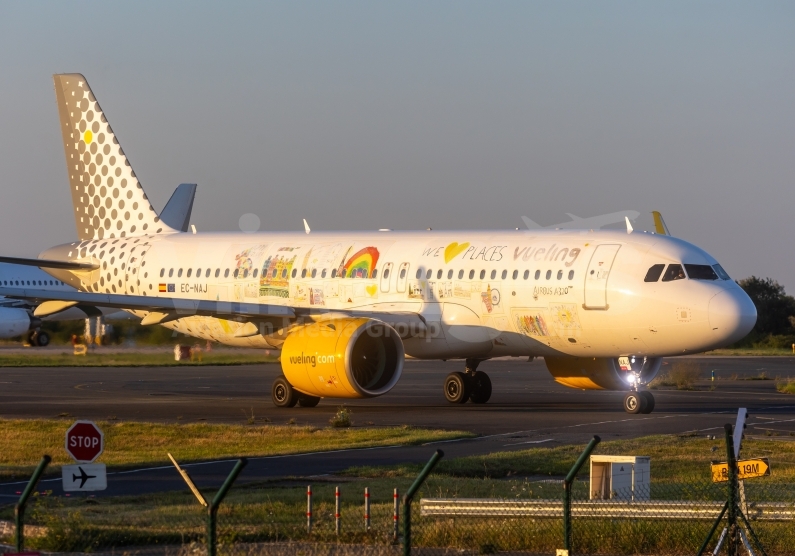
(674, 272)
(323, 273)
(162, 272)
(170, 272)
(226, 273)
(207, 273)
(439, 274)
(471, 274)
(374, 274)
(560, 274)
(245, 273)
(190, 271)
(461, 274)
(549, 274)
(504, 274)
(654, 273)
(419, 274)
(493, 274)
(538, 274)
(450, 274)
(198, 273)
(303, 273)
(428, 274)
(284, 273)
(571, 275)
(179, 273)
(482, 274)
(515, 274)
(526, 274)
(295, 271)
(722, 273)
(314, 272)
(402, 273)
(236, 273)
(333, 272)
(386, 274)
(217, 272)
(700, 272)
(256, 272)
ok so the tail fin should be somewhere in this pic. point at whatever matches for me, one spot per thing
(108, 200)
(177, 211)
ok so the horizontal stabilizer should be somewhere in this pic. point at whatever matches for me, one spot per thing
(44, 263)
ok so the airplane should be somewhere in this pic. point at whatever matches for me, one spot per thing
(18, 317)
(83, 477)
(592, 222)
(602, 307)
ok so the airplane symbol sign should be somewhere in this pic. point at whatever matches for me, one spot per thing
(84, 477)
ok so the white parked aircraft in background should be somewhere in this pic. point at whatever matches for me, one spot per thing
(601, 307)
(18, 318)
(592, 222)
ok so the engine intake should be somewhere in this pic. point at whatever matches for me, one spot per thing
(603, 373)
(343, 358)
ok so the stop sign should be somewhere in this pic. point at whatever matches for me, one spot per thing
(84, 441)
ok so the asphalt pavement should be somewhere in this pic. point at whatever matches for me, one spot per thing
(527, 408)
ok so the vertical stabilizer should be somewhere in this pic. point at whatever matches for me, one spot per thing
(107, 198)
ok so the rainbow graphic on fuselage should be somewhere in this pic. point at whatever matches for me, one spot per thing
(362, 263)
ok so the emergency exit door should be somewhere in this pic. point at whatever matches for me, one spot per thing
(597, 275)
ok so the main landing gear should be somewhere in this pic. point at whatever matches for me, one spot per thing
(639, 402)
(471, 385)
(284, 395)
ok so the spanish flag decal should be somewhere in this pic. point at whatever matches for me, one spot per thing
(162, 288)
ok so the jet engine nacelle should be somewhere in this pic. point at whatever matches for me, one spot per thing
(602, 373)
(14, 322)
(343, 358)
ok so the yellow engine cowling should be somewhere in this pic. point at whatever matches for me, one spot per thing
(590, 373)
(343, 358)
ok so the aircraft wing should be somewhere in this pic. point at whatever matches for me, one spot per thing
(44, 263)
(596, 222)
(170, 307)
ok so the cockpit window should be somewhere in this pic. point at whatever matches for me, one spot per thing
(700, 272)
(654, 273)
(674, 272)
(722, 273)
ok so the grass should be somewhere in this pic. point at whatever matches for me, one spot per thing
(129, 444)
(752, 351)
(786, 386)
(132, 358)
(682, 375)
(276, 511)
(341, 419)
(674, 458)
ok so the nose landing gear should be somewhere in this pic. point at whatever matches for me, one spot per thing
(471, 385)
(639, 402)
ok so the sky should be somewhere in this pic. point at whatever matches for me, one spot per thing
(409, 115)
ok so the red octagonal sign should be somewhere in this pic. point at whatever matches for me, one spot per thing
(84, 441)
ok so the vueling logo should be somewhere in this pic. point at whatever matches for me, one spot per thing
(311, 359)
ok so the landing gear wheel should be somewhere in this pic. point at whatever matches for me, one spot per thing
(481, 387)
(305, 400)
(456, 388)
(283, 393)
(649, 398)
(42, 339)
(634, 402)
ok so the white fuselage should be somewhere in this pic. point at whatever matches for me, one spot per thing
(480, 294)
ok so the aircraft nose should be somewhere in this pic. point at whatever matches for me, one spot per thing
(732, 315)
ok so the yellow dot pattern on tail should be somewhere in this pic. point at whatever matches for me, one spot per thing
(108, 200)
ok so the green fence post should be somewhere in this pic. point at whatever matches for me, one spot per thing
(410, 496)
(19, 509)
(733, 488)
(212, 509)
(567, 491)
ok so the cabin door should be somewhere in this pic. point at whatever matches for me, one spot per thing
(597, 275)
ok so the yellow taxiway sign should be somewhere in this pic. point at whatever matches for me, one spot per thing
(747, 469)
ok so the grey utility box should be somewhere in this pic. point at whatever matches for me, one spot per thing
(620, 478)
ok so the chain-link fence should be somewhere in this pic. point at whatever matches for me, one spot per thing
(449, 515)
